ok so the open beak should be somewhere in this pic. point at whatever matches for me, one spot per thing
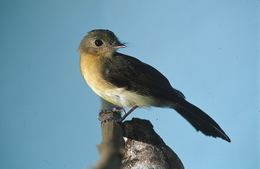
(120, 45)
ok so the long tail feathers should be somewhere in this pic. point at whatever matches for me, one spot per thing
(200, 120)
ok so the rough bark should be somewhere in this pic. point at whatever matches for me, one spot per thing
(141, 148)
(112, 146)
(145, 149)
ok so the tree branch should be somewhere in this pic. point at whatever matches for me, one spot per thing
(142, 148)
(145, 149)
(111, 148)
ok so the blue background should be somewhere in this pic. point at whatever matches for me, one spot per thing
(208, 49)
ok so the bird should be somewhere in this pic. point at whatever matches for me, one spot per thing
(127, 82)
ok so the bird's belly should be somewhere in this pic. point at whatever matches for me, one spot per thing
(125, 98)
(118, 96)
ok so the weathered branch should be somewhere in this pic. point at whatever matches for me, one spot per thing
(143, 147)
(111, 148)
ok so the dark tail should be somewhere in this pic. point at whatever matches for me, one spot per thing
(200, 120)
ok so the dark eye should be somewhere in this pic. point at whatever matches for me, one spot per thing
(98, 42)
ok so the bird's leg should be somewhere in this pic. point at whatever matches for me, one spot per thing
(127, 113)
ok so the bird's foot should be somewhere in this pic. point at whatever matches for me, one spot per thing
(121, 109)
(109, 115)
(118, 109)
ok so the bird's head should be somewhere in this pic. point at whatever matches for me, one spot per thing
(100, 42)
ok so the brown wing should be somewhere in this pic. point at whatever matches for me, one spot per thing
(134, 75)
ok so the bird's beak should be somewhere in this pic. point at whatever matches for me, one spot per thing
(120, 45)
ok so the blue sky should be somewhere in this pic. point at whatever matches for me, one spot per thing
(208, 49)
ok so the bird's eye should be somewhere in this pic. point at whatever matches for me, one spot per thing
(98, 42)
